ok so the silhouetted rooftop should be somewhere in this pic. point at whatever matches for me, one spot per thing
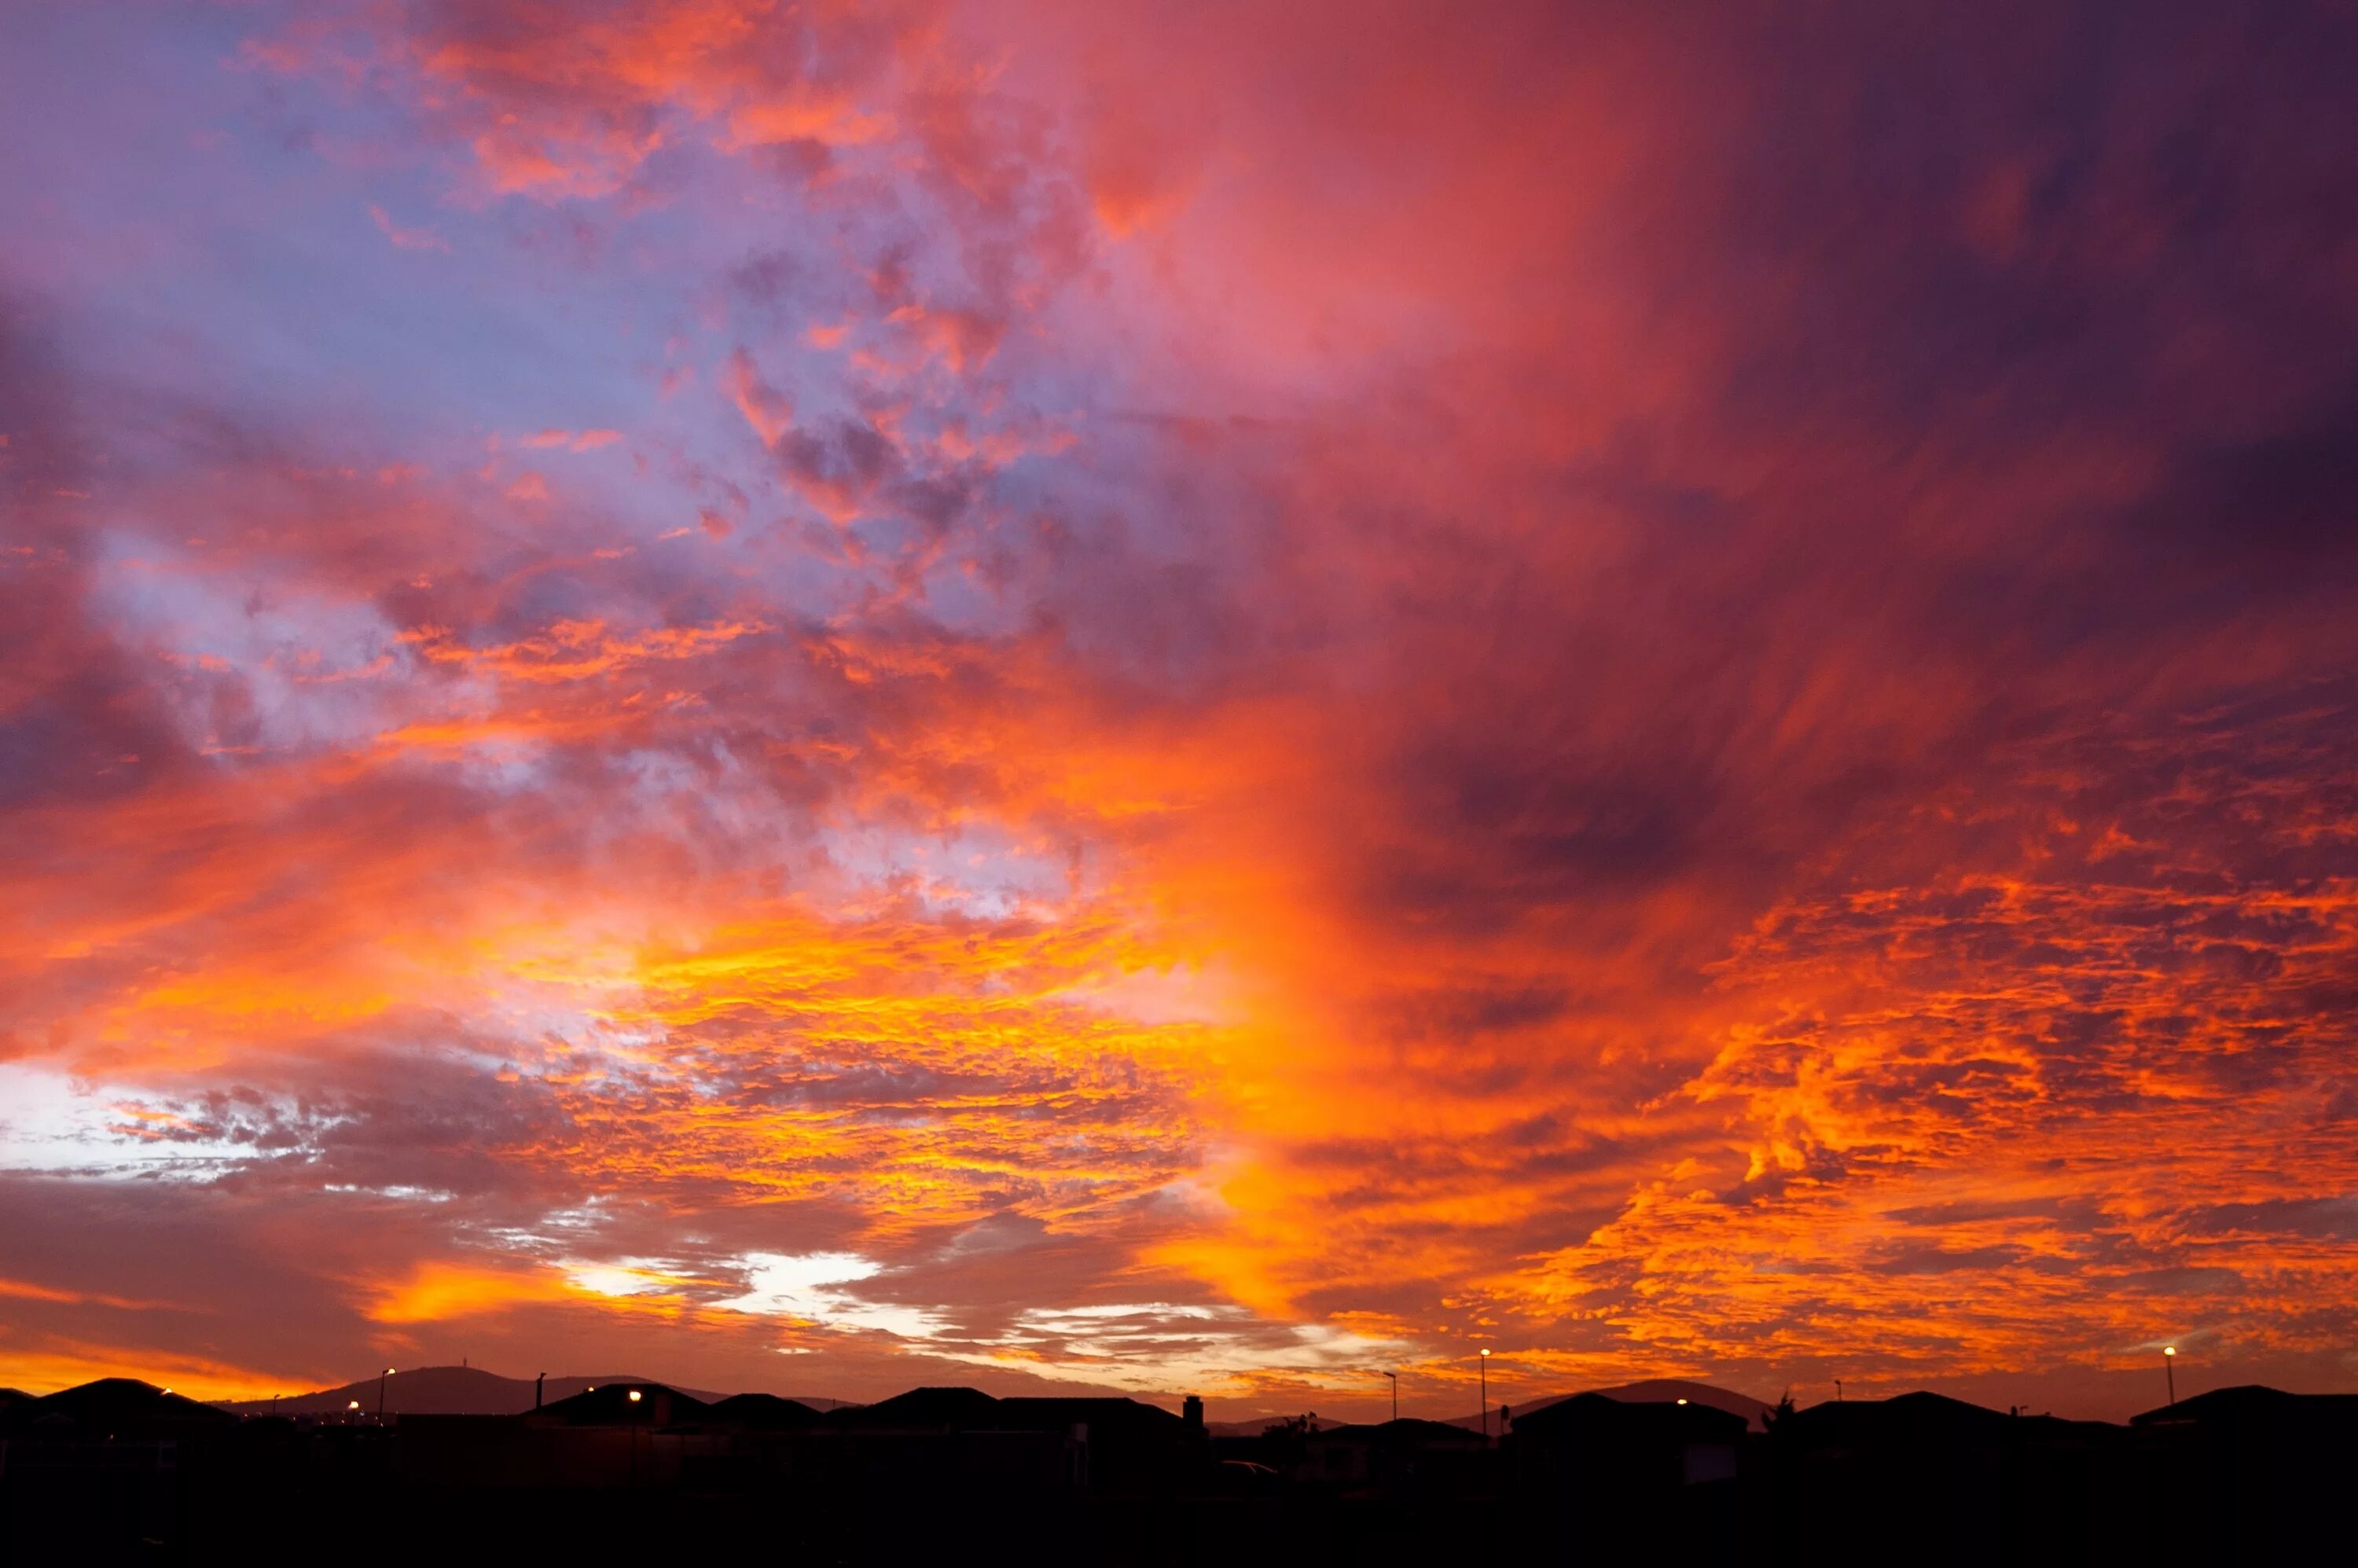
(611, 1405)
(1406, 1431)
(1921, 1419)
(1597, 1416)
(1919, 1414)
(2253, 1403)
(763, 1411)
(1034, 1413)
(924, 1408)
(125, 1403)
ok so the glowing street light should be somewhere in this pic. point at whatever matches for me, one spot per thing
(2169, 1370)
(380, 1393)
(635, 1396)
(1486, 1393)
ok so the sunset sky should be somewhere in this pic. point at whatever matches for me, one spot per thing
(1182, 697)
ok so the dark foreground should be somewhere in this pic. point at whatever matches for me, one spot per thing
(119, 1470)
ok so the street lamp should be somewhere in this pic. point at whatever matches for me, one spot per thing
(1486, 1393)
(2169, 1370)
(380, 1395)
(1395, 1378)
(352, 1410)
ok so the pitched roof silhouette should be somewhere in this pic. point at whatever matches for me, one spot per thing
(127, 1404)
(954, 1408)
(765, 1411)
(2253, 1403)
(1404, 1431)
(610, 1404)
(1923, 1418)
(1590, 1417)
(1101, 1415)
(1650, 1390)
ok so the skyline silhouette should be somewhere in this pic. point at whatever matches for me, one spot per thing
(120, 1466)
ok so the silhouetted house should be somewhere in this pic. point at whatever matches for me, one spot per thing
(1393, 1456)
(2253, 1474)
(2323, 1422)
(737, 1442)
(642, 1405)
(103, 1466)
(1958, 1482)
(965, 1440)
(1663, 1476)
(1118, 1444)
(760, 1413)
(625, 1434)
(1590, 1442)
(921, 1409)
(121, 1410)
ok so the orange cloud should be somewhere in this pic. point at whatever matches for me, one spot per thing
(23, 1290)
(436, 1292)
(68, 1363)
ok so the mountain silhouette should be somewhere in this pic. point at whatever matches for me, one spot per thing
(451, 1391)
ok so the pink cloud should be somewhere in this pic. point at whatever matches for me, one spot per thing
(407, 239)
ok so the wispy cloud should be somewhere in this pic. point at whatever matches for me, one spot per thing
(407, 239)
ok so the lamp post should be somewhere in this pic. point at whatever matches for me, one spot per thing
(634, 1397)
(352, 1410)
(2169, 1370)
(1838, 1390)
(1486, 1393)
(380, 1396)
(1395, 1378)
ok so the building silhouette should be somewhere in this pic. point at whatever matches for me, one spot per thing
(120, 1469)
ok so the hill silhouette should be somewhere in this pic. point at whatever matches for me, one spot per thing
(453, 1390)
